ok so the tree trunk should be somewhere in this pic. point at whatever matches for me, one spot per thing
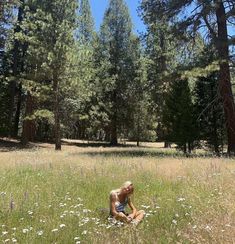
(167, 144)
(18, 109)
(15, 68)
(189, 147)
(138, 129)
(12, 90)
(56, 115)
(224, 77)
(114, 140)
(29, 127)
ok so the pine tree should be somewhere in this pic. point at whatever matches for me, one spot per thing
(160, 50)
(142, 120)
(115, 65)
(208, 105)
(85, 26)
(5, 20)
(80, 93)
(49, 31)
(179, 116)
(214, 15)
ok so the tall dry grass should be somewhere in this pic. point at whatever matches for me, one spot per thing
(62, 197)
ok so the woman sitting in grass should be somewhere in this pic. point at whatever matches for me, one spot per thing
(119, 199)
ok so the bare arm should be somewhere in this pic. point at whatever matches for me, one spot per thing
(134, 211)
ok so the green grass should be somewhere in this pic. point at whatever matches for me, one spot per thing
(49, 197)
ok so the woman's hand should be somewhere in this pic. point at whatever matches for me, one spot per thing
(121, 216)
(131, 216)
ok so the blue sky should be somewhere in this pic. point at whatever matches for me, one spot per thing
(98, 7)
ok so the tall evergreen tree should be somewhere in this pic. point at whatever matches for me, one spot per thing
(208, 105)
(115, 65)
(160, 50)
(18, 52)
(85, 28)
(214, 15)
(49, 31)
(6, 12)
(179, 116)
(78, 96)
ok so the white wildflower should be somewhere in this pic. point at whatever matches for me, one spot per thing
(13, 240)
(4, 233)
(208, 228)
(54, 230)
(62, 225)
(84, 232)
(86, 210)
(174, 221)
(180, 199)
(144, 206)
(40, 232)
(25, 230)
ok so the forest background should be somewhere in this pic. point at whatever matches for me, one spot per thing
(60, 77)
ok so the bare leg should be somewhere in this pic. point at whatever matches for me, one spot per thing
(138, 217)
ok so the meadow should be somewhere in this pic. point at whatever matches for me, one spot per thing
(63, 197)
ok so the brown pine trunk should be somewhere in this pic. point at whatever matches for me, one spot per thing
(29, 127)
(16, 69)
(114, 140)
(56, 114)
(224, 77)
(166, 144)
(12, 91)
(17, 115)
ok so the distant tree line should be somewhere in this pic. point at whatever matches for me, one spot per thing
(60, 78)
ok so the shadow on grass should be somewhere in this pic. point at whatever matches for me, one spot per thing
(121, 150)
(95, 144)
(7, 145)
(141, 152)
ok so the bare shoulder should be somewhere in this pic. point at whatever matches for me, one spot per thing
(113, 195)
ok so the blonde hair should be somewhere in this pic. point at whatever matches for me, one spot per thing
(124, 185)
